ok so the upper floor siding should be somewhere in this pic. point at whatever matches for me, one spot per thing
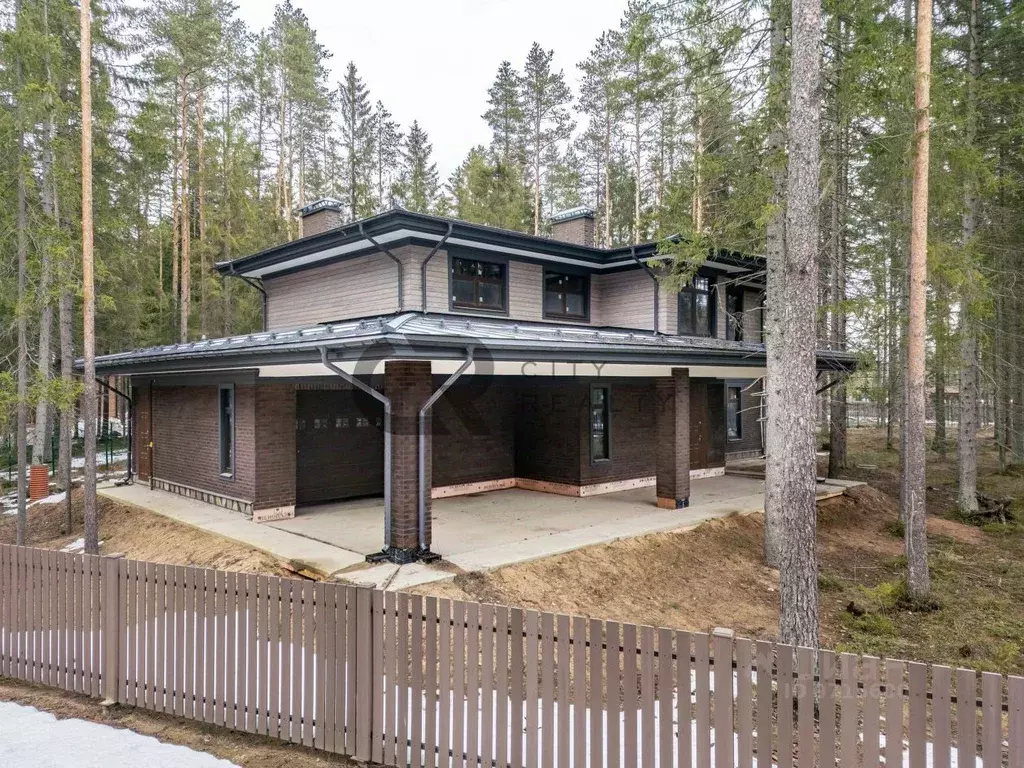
(367, 285)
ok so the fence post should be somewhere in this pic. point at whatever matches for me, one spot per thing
(365, 674)
(111, 629)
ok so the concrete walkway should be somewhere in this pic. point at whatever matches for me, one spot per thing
(301, 552)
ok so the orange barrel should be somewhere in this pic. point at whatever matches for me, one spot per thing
(38, 482)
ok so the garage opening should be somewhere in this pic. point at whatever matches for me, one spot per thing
(339, 442)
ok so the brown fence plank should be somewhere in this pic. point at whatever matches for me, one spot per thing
(991, 720)
(596, 688)
(160, 701)
(80, 589)
(207, 663)
(613, 701)
(784, 719)
(220, 616)
(1015, 719)
(459, 683)
(805, 707)
(503, 732)
(432, 703)
(647, 712)
(684, 688)
(848, 709)
(344, 738)
(53, 591)
(316, 675)
(132, 634)
(189, 611)
(308, 677)
(563, 758)
(893, 712)
(917, 731)
(147, 607)
(444, 677)
(364, 678)
(629, 700)
(6, 590)
(486, 684)
(249, 650)
(531, 652)
(377, 725)
(263, 655)
(579, 673)
(391, 673)
(744, 705)
(234, 658)
(295, 721)
(966, 716)
(516, 671)
(404, 678)
(872, 709)
(827, 717)
(547, 690)
(416, 681)
(723, 700)
(702, 672)
(95, 612)
(180, 611)
(30, 616)
(942, 688)
(472, 683)
(327, 670)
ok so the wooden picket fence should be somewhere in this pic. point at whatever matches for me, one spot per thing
(402, 679)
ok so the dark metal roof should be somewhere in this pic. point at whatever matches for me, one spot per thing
(434, 336)
(352, 239)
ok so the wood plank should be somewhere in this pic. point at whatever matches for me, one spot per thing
(274, 651)
(531, 652)
(827, 708)
(308, 678)
(579, 676)
(149, 604)
(391, 677)
(563, 736)
(893, 712)
(180, 612)
(207, 664)
(744, 650)
(647, 751)
(124, 638)
(404, 678)
(249, 652)
(630, 710)
(547, 690)
(595, 692)
(232, 607)
(327, 668)
(220, 650)
(1014, 719)
(6, 590)
(702, 672)
(502, 730)
(917, 732)
(517, 672)
(430, 729)
(160, 701)
(53, 592)
(613, 697)
(723, 700)
(991, 720)
(377, 744)
(784, 717)
(444, 676)
(872, 702)
(805, 707)
(364, 678)
(459, 683)
(342, 711)
(486, 684)
(942, 688)
(416, 681)
(189, 615)
(297, 712)
(966, 717)
(318, 672)
(263, 655)
(97, 624)
(472, 683)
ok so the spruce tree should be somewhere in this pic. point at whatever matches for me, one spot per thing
(357, 135)
(419, 183)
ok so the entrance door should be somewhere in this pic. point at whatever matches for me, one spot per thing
(707, 423)
(340, 445)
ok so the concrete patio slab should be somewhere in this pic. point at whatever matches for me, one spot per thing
(300, 552)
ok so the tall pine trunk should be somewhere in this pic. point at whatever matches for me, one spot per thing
(92, 527)
(791, 474)
(776, 244)
(912, 495)
(185, 214)
(967, 431)
(21, 169)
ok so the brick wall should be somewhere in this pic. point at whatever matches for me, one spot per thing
(547, 434)
(186, 435)
(408, 384)
(474, 431)
(750, 429)
(275, 445)
(632, 424)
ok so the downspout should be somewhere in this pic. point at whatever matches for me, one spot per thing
(389, 254)
(386, 402)
(424, 485)
(657, 286)
(423, 267)
(131, 417)
(252, 283)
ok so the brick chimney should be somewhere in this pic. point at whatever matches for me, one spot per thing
(575, 225)
(320, 216)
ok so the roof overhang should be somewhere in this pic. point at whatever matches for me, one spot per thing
(414, 336)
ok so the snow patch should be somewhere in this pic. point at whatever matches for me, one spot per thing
(78, 545)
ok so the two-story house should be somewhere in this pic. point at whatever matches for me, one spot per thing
(415, 357)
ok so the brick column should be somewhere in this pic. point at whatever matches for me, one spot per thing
(672, 396)
(409, 385)
(274, 497)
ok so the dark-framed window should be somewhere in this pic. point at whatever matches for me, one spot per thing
(734, 314)
(697, 308)
(478, 284)
(600, 422)
(566, 295)
(226, 420)
(733, 413)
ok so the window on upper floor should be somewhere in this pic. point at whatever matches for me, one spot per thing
(479, 285)
(696, 308)
(734, 314)
(566, 296)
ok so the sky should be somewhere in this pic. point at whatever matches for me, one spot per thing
(434, 60)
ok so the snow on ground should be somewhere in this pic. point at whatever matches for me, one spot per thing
(78, 545)
(29, 737)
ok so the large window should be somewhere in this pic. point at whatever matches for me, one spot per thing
(734, 315)
(600, 423)
(565, 295)
(226, 407)
(696, 309)
(478, 285)
(733, 414)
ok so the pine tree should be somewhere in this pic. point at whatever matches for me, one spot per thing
(387, 155)
(357, 135)
(599, 102)
(548, 122)
(418, 187)
(506, 117)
